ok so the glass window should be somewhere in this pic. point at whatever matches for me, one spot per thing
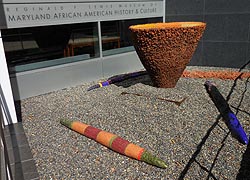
(84, 40)
(38, 47)
(116, 37)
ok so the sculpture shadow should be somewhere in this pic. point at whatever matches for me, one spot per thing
(143, 79)
(245, 164)
(244, 171)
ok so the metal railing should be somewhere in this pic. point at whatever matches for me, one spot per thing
(5, 171)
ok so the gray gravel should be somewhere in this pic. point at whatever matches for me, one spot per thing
(190, 138)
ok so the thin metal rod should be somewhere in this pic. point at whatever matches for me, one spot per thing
(178, 103)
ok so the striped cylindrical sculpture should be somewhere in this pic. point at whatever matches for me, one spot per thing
(166, 48)
(114, 142)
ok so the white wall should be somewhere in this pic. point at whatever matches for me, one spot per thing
(6, 98)
(35, 82)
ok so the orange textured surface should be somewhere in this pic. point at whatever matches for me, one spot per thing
(231, 75)
(166, 48)
(79, 127)
(104, 138)
(133, 150)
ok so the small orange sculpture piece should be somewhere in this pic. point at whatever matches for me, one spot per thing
(165, 49)
(223, 74)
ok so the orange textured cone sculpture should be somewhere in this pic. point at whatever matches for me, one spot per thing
(165, 49)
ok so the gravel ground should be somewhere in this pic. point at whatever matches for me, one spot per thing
(190, 138)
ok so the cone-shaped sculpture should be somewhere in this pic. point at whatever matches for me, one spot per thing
(165, 49)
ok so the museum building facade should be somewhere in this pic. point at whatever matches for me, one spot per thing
(49, 45)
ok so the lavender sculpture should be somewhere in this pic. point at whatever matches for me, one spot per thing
(118, 78)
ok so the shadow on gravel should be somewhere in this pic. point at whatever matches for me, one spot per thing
(196, 153)
(244, 172)
(145, 79)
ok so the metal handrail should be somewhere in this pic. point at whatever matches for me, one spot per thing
(5, 170)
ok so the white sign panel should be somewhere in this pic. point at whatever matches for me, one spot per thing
(26, 15)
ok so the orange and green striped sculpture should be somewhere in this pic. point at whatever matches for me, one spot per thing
(114, 142)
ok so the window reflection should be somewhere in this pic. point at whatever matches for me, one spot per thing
(83, 40)
(38, 47)
(116, 37)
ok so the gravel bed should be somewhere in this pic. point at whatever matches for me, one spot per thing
(191, 138)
